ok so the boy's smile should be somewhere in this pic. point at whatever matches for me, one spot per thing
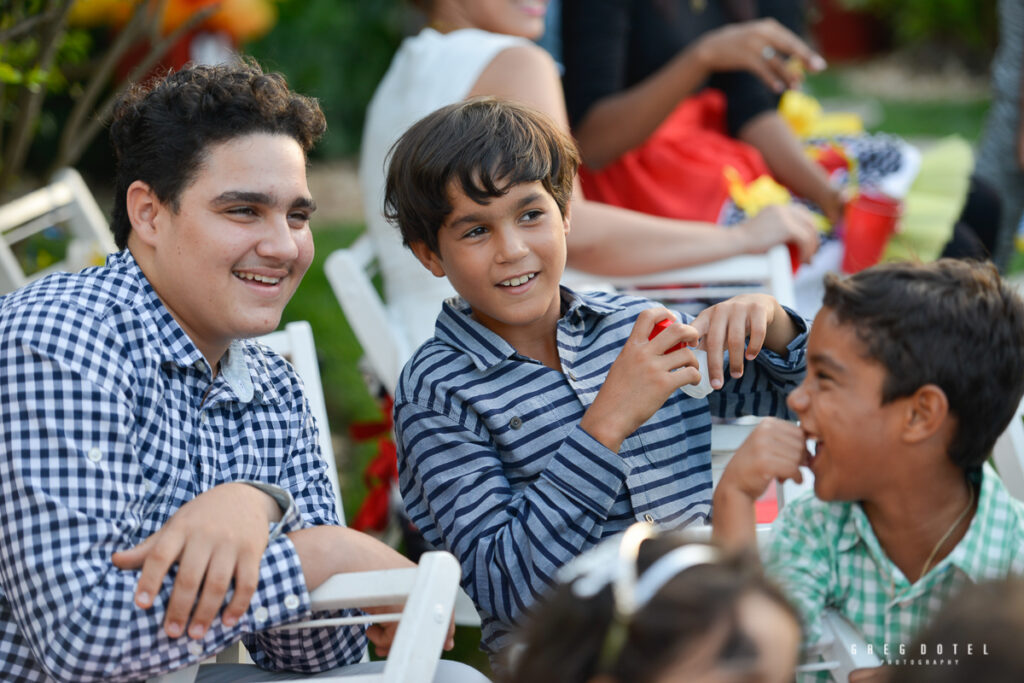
(839, 405)
(228, 258)
(505, 258)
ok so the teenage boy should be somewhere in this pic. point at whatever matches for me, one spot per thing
(538, 421)
(162, 489)
(913, 371)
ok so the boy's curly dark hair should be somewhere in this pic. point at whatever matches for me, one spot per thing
(952, 323)
(162, 129)
(484, 146)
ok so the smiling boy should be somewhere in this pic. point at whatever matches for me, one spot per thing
(913, 371)
(162, 489)
(538, 421)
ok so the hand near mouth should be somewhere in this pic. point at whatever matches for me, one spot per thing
(775, 449)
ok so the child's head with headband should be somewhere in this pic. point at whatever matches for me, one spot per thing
(653, 608)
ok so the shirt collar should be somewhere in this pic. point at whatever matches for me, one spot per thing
(174, 347)
(485, 348)
(965, 556)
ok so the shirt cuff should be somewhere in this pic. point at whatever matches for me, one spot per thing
(588, 471)
(282, 597)
(284, 500)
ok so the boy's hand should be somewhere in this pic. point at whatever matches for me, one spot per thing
(641, 379)
(728, 325)
(775, 449)
(216, 538)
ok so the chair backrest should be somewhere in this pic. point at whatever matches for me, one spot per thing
(771, 272)
(350, 272)
(1008, 454)
(61, 217)
(295, 344)
(427, 592)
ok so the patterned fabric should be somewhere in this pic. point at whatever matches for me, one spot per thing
(826, 555)
(495, 468)
(110, 423)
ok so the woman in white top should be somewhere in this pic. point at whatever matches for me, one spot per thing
(482, 47)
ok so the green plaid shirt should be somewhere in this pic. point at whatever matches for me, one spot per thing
(826, 555)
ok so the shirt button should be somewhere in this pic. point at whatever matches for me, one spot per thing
(291, 601)
(203, 418)
(94, 454)
(649, 518)
(515, 423)
(195, 648)
(572, 376)
(260, 614)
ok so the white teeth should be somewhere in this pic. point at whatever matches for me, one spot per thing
(258, 278)
(516, 281)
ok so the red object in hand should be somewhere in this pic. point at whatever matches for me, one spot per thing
(794, 255)
(658, 327)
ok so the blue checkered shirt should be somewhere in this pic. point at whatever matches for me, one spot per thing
(495, 468)
(110, 422)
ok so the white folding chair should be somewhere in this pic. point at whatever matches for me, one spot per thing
(428, 594)
(66, 208)
(350, 272)
(1008, 454)
(771, 272)
(295, 344)
(840, 652)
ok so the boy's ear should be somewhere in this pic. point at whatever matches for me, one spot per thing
(428, 258)
(926, 415)
(143, 208)
(566, 218)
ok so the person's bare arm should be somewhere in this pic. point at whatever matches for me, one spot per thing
(608, 240)
(616, 124)
(782, 151)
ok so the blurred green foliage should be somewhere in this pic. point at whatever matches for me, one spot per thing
(966, 23)
(336, 50)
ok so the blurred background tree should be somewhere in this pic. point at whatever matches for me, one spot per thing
(336, 50)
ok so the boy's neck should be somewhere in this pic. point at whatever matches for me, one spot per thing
(919, 524)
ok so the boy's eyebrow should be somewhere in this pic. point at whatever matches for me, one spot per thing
(820, 358)
(476, 218)
(261, 198)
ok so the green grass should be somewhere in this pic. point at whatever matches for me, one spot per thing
(907, 118)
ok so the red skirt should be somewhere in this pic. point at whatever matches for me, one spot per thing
(678, 171)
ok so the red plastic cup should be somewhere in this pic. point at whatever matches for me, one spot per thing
(870, 219)
(658, 328)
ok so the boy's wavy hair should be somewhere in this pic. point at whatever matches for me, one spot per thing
(952, 323)
(484, 146)
(162, 129)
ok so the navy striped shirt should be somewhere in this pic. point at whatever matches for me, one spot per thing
(495, 468)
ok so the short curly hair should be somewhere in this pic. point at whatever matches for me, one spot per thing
(162, 129)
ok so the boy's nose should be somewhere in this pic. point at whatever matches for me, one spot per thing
(511, 246)
(798, 399)
(278, 241)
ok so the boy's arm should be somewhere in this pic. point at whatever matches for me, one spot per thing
(775, 449)
(509, 540)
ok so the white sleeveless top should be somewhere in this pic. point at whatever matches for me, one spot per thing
(429, 71)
